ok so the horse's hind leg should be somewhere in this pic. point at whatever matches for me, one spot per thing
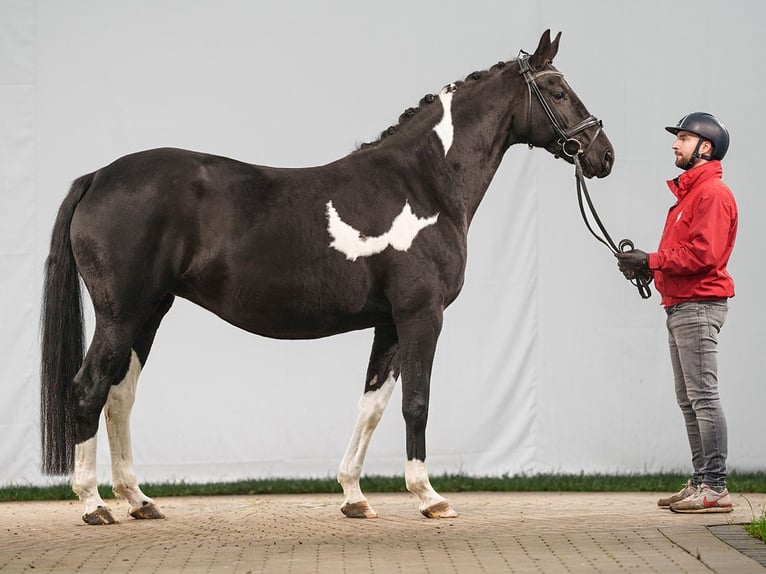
(85, 484)
(108, 375)
(117, 414)
(382, 373)
(105, 362)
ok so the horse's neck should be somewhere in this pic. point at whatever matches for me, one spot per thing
(454, 149)
(481, 135)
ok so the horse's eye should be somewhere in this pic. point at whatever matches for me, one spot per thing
(559, 95)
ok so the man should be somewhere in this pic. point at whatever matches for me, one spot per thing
(689, 271)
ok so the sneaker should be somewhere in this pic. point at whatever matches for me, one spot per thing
(704, 500)
(687, 490)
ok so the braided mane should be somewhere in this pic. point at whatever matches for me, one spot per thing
(424, 101)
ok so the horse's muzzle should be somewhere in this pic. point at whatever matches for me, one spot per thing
(606, 164)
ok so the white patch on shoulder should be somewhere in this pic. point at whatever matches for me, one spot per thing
(444, 128)
(353, 244)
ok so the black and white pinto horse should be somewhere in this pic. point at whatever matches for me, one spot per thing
(376, 239)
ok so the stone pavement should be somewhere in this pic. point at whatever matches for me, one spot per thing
(496, 532)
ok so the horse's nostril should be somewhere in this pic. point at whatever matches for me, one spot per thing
(608, 163)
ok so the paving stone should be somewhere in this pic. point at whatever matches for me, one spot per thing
(496, 532)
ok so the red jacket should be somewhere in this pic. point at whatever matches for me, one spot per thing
(699, 234)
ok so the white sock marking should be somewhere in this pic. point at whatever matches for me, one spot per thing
(354, 244)
(444, 128)
(371, 408)
(416, 477)
(117, 414)
(84, 480)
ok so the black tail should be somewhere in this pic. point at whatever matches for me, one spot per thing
(63, 344)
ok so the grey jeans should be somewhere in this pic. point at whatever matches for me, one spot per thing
(693, 329)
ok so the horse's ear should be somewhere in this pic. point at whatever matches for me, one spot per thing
(546, 50)
(554, 47)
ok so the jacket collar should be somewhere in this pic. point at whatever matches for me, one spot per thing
(689, 179)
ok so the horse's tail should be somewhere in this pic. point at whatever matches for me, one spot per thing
(63, 344)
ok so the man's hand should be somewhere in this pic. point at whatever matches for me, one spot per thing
(633, 263)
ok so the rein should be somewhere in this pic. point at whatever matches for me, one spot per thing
(625, 245)
(571, 147)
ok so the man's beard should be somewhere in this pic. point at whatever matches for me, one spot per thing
(682, 162)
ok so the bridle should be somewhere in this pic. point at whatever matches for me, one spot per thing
(571, 147)
(567, 144)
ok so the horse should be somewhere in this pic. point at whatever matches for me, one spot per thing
(376, 239)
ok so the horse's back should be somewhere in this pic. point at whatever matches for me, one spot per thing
(153, 206)
(247, 242)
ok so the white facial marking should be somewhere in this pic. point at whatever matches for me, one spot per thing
(354, 244)
(444, 128)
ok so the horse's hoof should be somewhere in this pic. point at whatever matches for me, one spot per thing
(102, 515)
(148, 511)
(360, 509)
(439, 510)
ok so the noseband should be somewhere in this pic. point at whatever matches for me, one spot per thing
(572, 148)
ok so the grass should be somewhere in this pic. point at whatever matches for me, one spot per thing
(663, 482)
(757, 526)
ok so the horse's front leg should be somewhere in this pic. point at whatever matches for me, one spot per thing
(417, 340)
(371, 407)
(382, 373)
(432, 504)
(117, 413)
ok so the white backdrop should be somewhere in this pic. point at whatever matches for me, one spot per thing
(549, 360)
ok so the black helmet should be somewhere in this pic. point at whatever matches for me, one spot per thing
(707, 127)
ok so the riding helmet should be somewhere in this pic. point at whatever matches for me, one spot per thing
(707, 127)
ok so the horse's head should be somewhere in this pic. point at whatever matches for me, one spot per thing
(556, 119)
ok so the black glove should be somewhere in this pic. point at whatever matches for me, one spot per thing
(633, 263)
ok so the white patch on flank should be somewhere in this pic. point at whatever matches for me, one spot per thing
(353, 244)
(371, 408)
(416, 477)
(444, 128)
